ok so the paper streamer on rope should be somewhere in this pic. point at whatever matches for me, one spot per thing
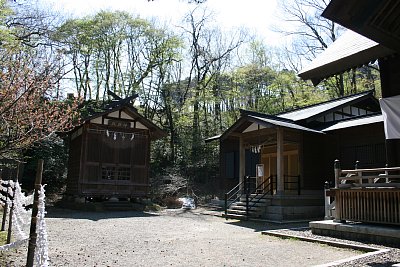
(21, 223)
(21, 216)
(13, 245)
(41, 252)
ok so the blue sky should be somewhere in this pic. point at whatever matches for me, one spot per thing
(257, 15)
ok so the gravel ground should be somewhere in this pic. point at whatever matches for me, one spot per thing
(171, 238)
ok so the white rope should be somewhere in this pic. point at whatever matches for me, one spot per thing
(21, 220)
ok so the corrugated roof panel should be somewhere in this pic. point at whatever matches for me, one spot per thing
(354, 123)
(311, 111)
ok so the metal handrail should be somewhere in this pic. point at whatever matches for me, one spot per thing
(243, 188)
(234, 192)
(255, 197)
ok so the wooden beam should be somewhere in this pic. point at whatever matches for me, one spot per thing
(280, 161)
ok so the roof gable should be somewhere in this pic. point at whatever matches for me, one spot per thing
(122, 109)
(252, 121)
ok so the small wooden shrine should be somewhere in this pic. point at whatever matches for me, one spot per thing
(109, 153)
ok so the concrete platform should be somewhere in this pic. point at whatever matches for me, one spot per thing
(378, 234)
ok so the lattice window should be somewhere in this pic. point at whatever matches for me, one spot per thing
(119, 123)
(124, 173)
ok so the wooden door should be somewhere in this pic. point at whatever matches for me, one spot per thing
(270, 165)
(291, 164)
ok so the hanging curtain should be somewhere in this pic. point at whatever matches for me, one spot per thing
(390, 107)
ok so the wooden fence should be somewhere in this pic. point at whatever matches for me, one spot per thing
(367, 195)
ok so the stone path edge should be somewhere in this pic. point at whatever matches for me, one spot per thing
(370, 250)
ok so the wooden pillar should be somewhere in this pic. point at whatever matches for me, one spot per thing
(35, 211)
(242, 160)
(337, 171)
(280, 162)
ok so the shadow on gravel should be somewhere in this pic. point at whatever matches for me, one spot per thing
(95, 215)
(381, 264)
(188, 213)
(259, 226)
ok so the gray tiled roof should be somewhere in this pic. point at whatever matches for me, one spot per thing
(349, 51)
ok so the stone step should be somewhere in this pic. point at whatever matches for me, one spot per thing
(240, 212)
(251, 204)
(243, 207)
(263, 200)
(242, 215)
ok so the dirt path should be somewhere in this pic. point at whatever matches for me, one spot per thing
(172, 238)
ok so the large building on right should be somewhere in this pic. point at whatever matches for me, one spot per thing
(374, 34)
(367, 195)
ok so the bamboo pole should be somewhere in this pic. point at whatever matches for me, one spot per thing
(35, 209)
(15, 179)
(5, 210)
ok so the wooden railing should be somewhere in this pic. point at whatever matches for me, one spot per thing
(366, 195)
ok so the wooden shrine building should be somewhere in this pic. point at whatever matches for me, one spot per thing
(287, 158)
(110, 153)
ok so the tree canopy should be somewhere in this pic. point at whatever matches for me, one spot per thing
(192, 79)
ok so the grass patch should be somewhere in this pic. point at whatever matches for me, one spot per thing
(3, 234)
(3, 237)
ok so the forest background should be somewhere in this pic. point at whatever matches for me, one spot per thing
(192, 80)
